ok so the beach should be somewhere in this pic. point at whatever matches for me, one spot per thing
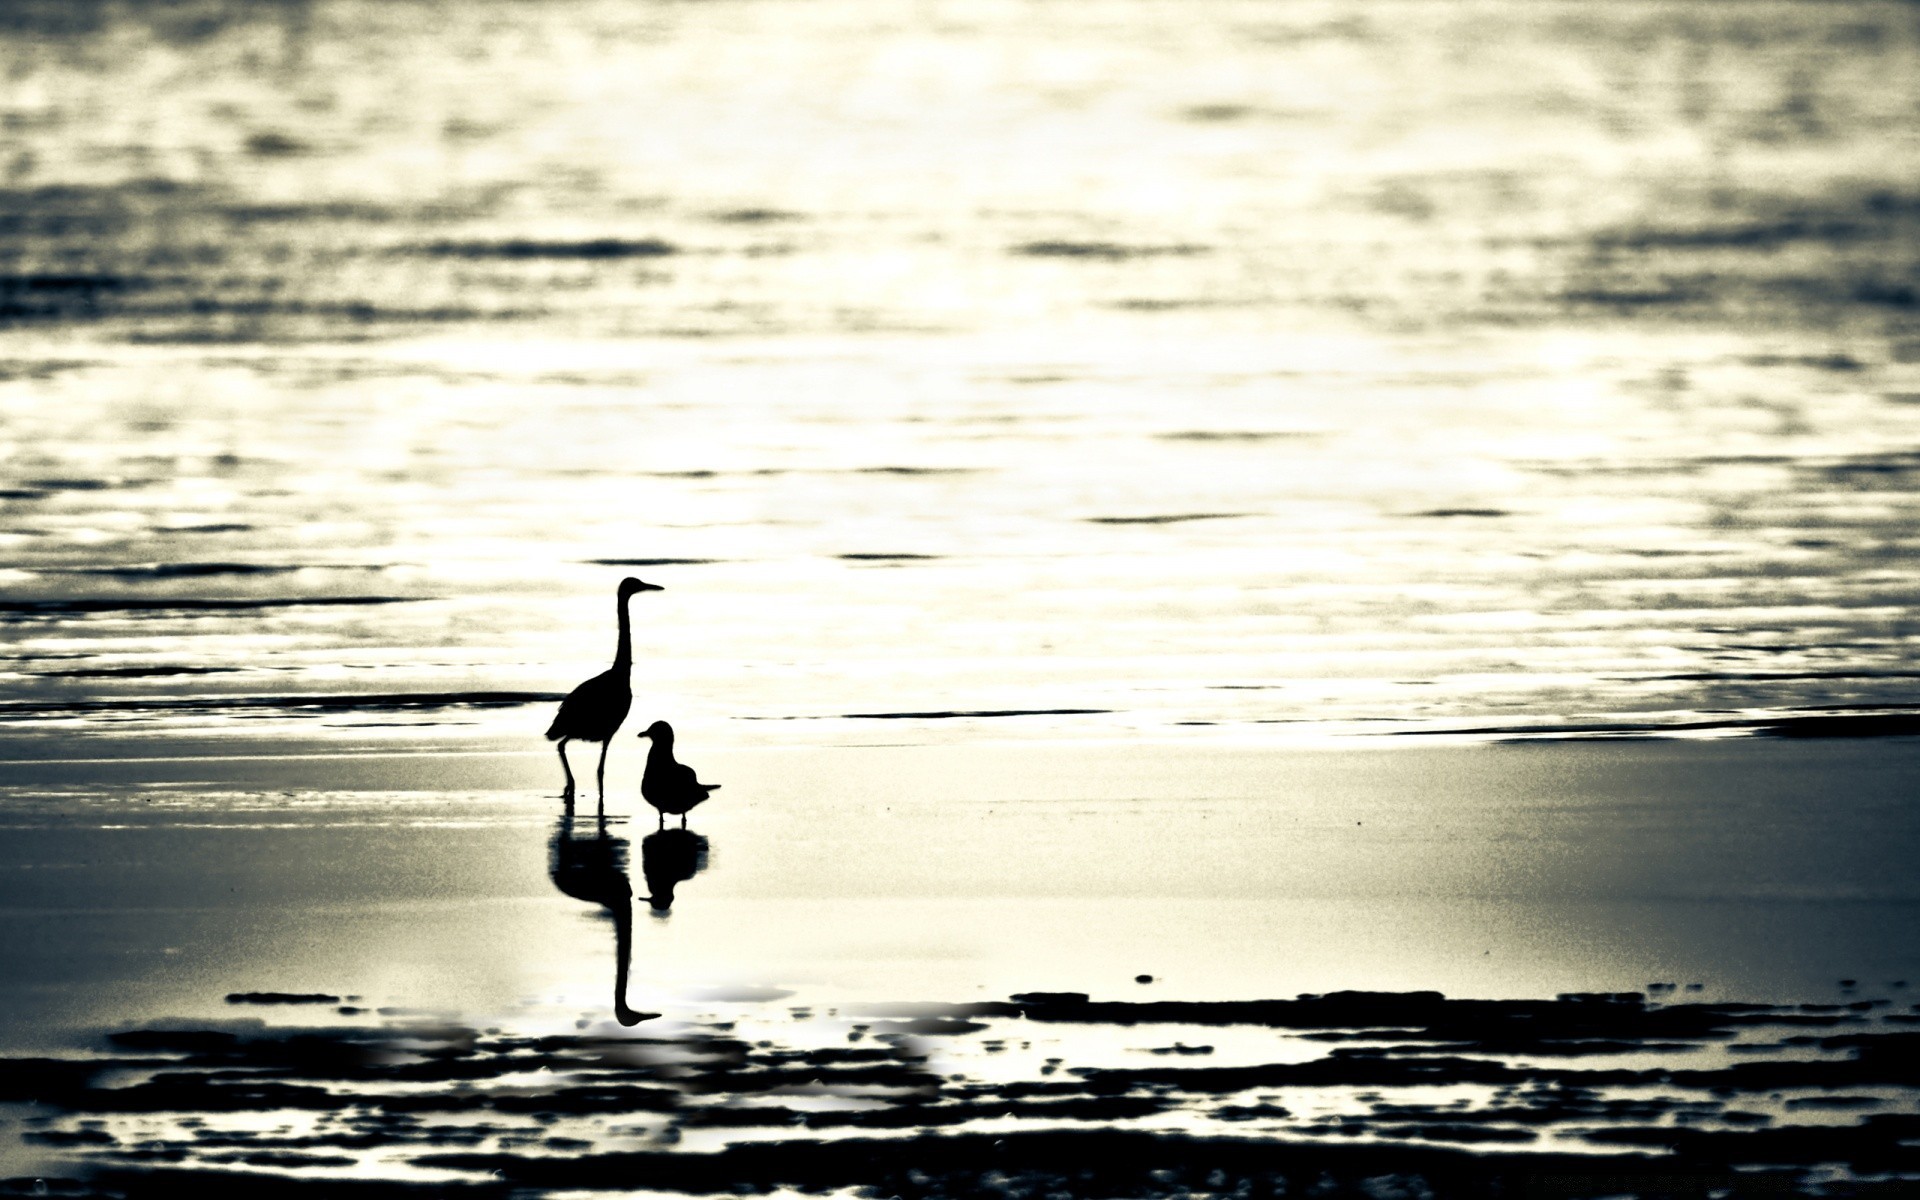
(1175, 949)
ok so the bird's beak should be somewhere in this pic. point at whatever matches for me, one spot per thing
(651, 587)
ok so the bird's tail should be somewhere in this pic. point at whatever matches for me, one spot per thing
(553, 730)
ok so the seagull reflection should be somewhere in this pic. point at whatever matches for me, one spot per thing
(670, 857)
(595, 870)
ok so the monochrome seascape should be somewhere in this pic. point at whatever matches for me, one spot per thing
(1283, 596)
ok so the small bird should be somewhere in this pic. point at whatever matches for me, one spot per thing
(593, 711)
(667, 785)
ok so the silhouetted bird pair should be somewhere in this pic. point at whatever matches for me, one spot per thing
(593, 712)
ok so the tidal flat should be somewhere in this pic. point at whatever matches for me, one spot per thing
(973, 969)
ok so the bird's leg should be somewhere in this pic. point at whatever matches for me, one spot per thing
(600, 775)
(683, 820)
(568, 794)
(663, 818)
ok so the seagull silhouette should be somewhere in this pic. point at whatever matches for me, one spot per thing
(668, 785)
(593, 711)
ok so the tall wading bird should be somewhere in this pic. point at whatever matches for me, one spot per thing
(668, 785)
(593, 711)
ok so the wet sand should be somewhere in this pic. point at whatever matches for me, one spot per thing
(377, 965)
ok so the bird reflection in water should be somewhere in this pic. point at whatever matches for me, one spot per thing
(595, 870)
(670, 857)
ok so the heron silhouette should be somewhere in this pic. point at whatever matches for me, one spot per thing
(668, 785)
(593, 711)
(595, 870)
(668, 858)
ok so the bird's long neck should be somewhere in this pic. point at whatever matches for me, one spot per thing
(623, 651)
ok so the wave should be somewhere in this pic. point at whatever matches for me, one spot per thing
(68, 485)
(1771, 676)
(48, 608)
(1102, 251)
(1879, 723)
(187, 570)
(755, 216)
(1166, 518)
(326, 702)
(946, 714)
(534, 248)
(36, 296)
(1237, 435)
(134, 672)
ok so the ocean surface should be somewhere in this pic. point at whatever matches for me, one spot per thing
(1235, 370)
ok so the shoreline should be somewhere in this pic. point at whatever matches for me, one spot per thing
(966, 969)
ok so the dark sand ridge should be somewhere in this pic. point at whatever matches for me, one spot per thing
(1537, 1094)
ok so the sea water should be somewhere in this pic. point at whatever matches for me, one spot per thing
(1105, 369)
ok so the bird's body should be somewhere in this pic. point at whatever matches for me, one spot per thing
(670, 786)
(593, 711)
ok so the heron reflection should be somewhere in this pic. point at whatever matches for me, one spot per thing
(668, 858)
(595, 870)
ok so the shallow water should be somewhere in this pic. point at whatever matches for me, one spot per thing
(235, 967)
(1763, 872)
(301, 976)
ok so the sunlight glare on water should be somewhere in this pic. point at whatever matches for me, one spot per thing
(1221, 366)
